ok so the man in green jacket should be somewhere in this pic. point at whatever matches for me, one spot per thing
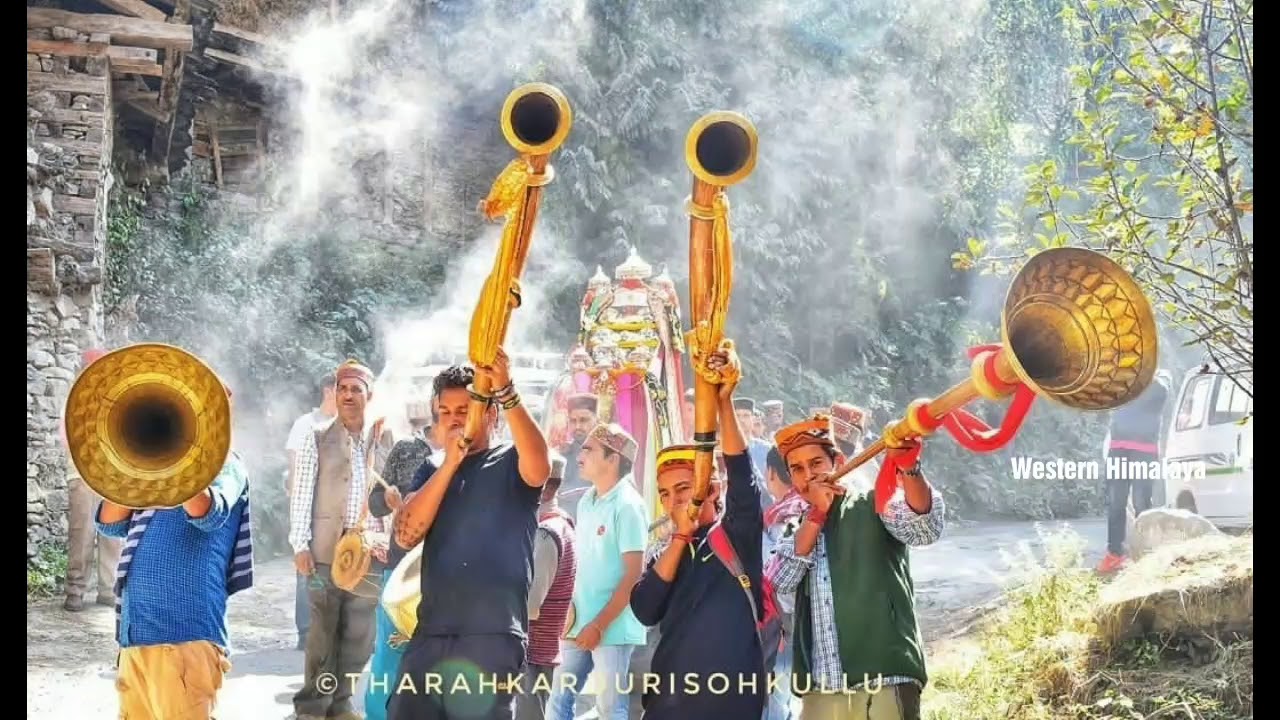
(858, 654)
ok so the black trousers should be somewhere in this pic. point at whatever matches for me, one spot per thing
(531, 703)
(1118, 491)
(339, 643)
(459, 677)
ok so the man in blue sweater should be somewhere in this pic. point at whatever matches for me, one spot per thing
(177, 569)
(707, 613)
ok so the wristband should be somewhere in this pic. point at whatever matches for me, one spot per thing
(816, 516)
(912, 471)
(505, 390)
(510, 402)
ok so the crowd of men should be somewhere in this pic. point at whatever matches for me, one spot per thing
(539, 567)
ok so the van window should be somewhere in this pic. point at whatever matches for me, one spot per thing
(1195, 402)
(1230, 404)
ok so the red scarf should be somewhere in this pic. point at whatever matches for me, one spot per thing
(790, 506)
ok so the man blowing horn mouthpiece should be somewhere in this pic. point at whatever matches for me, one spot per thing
(476, 516)
(857, 641)
(705, 590)
(177, 569)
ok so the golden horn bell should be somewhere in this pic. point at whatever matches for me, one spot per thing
(148, 426)
(720, 148)
(536, 118)
(1077, 330)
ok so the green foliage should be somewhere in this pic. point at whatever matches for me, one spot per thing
(297, 308)
(1163, 172)
(47, 571)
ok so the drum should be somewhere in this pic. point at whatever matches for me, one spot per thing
(403, 592)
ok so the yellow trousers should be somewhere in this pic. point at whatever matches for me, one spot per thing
(170, 682)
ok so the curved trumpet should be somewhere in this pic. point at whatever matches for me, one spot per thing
(720, 150)
(535, 120)
(1076, 329)
(148, 426)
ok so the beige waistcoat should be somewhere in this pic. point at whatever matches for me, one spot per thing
(333, 484)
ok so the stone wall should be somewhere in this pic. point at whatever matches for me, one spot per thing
(69, 142)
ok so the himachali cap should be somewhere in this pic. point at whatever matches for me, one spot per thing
(846, 417)
(813, 431)
(674, 456)
(583, 401)
(772, 405)
(614, 437)
(353, 369)
(744, 404)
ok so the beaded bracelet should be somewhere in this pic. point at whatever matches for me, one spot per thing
(510, 402)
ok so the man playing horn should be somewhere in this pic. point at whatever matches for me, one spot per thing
(329, 500)
(177, 569)
(858, 649)
(612, 530)
(555, 566)
(476, 517)
(704, 590)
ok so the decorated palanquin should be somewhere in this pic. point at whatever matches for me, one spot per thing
(629, 354)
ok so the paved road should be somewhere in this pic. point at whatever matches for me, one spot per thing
(70, 657)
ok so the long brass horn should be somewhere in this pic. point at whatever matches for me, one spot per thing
(720, 150)
(536, 118)
(1076, 330)
(148, 426)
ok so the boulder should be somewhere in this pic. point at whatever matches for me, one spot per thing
(1161, 527)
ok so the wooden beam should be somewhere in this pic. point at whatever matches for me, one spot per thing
(79, 147)
(136, 8)
(206, 149)
(217, 155)
(83, 253)
(150, 108)
(121, 67)
(132, 54)
(74, 117)
(79, 84)
(42, 271)
(75, 205)
(240, 34)
(234, 59)
(66, 48)
(123, 30)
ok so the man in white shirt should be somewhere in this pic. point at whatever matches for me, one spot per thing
(298, 434)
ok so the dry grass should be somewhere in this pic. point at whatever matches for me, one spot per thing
(1170, 637)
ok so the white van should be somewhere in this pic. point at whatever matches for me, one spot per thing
(1212, 428)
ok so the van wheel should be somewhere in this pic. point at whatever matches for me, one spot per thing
(1186, 502)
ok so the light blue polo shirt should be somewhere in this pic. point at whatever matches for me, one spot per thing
(607, 527)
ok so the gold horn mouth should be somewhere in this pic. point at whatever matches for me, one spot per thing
(720, 148)
(1079, 330)
(148, 426)
(536, 118)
